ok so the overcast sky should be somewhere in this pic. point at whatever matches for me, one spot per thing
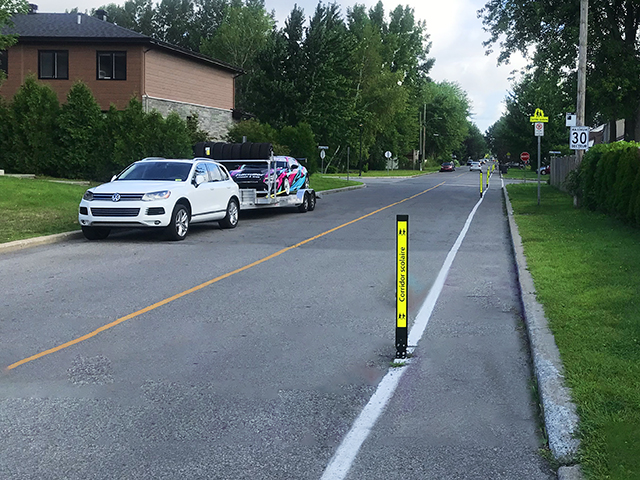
(455, 32)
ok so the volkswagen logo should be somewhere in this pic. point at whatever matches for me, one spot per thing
(115, 197)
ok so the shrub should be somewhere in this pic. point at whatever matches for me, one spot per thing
(35, 110)
(80, 125)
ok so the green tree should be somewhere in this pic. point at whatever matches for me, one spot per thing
(7, 148)
(474, 146)
(136, 15)
(243, 33)
(550, 30)
(196, 134)
(446, 125)
(35, 110)
(80, 125)
(174, 22)
(301, 143)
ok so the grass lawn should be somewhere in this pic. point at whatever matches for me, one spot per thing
(586, 268)
(527, 174)
(35, 207)
(320, 183)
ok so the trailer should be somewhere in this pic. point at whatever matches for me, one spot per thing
(271, 187)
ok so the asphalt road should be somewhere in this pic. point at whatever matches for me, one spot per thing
(246, 354)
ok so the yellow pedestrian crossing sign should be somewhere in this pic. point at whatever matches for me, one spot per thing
(538, 117)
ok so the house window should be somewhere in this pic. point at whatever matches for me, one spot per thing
(53, 64)
(112, 65)
(4, 61)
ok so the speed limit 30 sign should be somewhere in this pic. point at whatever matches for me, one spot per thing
(579, 138)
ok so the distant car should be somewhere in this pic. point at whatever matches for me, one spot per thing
(161, 193)
(469, 162)
(447, 167)
(475, 167)
(286, 174)
(546, 170)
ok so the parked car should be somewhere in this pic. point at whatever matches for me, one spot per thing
(447, 167)
(161, 193)
(546, 170)
(286, 174)
(475, 167)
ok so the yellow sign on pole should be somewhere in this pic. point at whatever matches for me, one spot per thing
(538, 117)
(402, 283)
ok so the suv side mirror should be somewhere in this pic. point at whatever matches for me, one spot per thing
(198, 180)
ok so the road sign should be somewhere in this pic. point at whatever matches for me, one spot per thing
(402, 283)
(538, 117)
(579, 138)
(571, 120)
(539, 129)
(524, 156)
(322, 154)
(387, 154)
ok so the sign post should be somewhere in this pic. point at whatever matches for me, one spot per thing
(322, 149)
(402, 283)
(539, 120)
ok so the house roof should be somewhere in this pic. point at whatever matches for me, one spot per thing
(82, 28)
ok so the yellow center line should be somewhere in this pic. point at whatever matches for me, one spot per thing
(202, 285)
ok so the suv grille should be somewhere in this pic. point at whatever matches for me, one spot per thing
(115, 212)
(123, 196)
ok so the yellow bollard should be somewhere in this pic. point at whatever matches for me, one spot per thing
(481, 183)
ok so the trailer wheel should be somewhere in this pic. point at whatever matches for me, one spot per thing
(304, 206)
(312, 201)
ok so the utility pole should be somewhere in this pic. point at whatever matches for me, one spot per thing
(582, 69)
(424, 134)
(360, 161)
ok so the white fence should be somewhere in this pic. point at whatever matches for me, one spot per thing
(560, 168)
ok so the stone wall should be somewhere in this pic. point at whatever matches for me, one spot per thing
(216, 121)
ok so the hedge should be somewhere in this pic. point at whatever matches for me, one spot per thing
(609, 180)
(78, 140)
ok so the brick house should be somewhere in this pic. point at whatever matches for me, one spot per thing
(118, 64)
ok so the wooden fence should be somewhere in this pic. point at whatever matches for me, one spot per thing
(560, 168)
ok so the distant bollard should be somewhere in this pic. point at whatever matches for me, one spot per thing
(481, 183)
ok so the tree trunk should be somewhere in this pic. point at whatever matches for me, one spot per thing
(613, 131)
(630, 126)
(636, 136)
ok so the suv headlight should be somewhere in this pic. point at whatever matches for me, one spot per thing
(163, 195)
(88, 196)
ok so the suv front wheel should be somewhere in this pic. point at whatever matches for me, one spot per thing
(179, 225)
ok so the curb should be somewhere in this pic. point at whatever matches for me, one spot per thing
(338, 190)
(36, 241)
(560, 417)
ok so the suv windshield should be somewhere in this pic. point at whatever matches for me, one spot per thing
(170, 171)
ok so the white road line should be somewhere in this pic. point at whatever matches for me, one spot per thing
(341, 462)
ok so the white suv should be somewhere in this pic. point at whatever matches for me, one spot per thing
(161, 193)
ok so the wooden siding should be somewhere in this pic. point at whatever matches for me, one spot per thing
(23, 61)
(179, 79)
